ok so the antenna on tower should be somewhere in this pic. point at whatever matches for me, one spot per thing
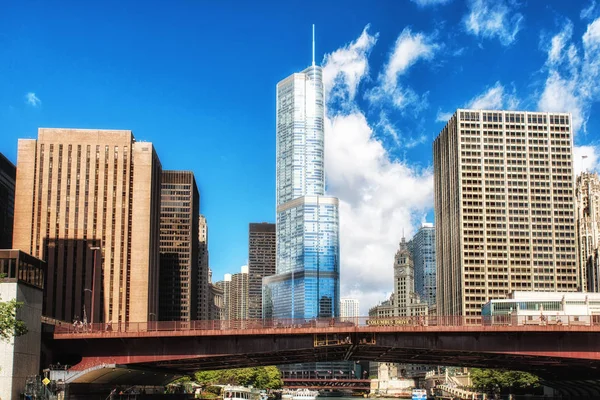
(313, 54)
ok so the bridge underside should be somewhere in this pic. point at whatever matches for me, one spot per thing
(547, 367)
(550, 355)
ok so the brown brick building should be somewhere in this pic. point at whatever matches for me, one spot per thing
(91, 194)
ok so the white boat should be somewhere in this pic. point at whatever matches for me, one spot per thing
(299, 394)
(240, 393)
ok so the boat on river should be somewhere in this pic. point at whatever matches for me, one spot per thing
(299, 394)
(241, 393)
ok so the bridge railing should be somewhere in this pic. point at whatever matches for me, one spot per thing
(399, 323)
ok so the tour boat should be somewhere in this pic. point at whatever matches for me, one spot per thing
(299, 394)
(240, 393)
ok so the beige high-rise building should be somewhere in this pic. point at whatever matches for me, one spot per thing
(85, 201)
(587, 192)
(504, 207)
(203, 270)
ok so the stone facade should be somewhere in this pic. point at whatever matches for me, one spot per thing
(587, 192)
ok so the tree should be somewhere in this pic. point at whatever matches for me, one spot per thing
(497, 381)
(258, 377)
(10, 325)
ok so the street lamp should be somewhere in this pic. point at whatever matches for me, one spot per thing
(93, 291)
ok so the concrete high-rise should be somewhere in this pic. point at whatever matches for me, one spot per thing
(88, 203)
(504, 207)
(203, 270)
(587, 192)
(261, 263)
(349, 310)
(8, 173)
(179, 220)
(235, 295)
(306, 284)
(422, 250)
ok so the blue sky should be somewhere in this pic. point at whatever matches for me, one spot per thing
(198, 80)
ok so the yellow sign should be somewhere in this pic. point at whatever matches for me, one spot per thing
(46, 381)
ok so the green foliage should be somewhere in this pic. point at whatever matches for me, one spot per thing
(9, 324)
(258, 377)
(497, 381)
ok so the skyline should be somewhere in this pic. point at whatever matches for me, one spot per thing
(391, 74)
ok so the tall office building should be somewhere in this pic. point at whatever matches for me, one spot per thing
(89, 201)
(504, 208)
(422, 250)
(203, 270)
(178, 286)
(261, 263)
(224, 287)
(8, 174)
(587, 192)
(238, 295)
(349, 310)
(235, 295)
(306, 284)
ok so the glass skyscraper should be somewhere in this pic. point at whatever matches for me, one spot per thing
(306, 284)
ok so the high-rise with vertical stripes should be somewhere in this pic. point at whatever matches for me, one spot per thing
(306, 284)
(504, 207)
(85, 201)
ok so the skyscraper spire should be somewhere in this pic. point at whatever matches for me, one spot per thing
(313, 59)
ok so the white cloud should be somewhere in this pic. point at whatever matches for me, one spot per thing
(493, 18)
(425, 3)
(591, 162)
(589, 11)
(572, 81)
(347, 66)
(443, 116)
(379, 197)
(32, 99)
(494, 98)
(408, 50)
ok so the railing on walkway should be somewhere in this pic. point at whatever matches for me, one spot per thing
(523, 322)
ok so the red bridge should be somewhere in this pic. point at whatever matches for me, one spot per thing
(565, 351)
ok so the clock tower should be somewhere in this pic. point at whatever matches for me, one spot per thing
(403, 280)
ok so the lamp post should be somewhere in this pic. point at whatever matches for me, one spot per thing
(93, 291)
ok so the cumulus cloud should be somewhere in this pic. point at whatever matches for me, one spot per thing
(493, 19)
(586, 158)
(346, 67)
(379, 196)
(589, 11)
(443, 116)
(425, 3)
(494, 98)
(32, 100)
(408, 50)
(573, 72)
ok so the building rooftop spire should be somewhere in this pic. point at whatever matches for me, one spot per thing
(313, 47)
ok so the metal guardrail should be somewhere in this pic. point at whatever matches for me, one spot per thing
(523, 322)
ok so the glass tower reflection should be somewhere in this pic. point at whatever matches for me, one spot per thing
(306, 284)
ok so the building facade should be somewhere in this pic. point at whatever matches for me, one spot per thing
(404, 300)
(587, 192)
(349, 310)
(306, 284)
(504, 208)
(203, 270)
(262, 247)
(74, 208)
(178, 287)
(422, 250)
(8, 175)
(22, 281)
(238, 295)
